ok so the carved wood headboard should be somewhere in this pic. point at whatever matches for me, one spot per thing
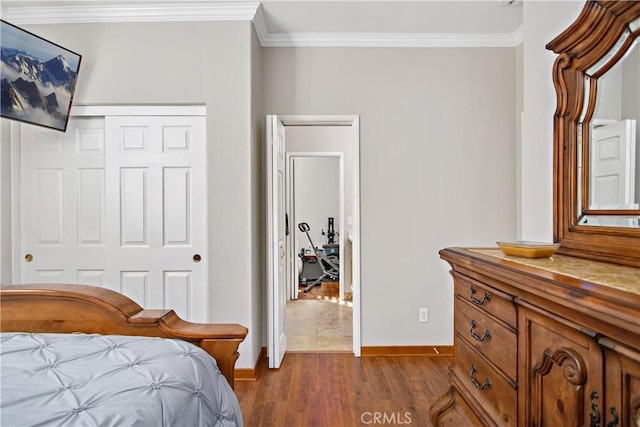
(65, 308)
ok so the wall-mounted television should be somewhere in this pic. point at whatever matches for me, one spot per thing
(38, 78)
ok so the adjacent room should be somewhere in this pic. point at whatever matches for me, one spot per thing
(387, 212)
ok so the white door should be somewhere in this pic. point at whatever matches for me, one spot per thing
(63, 206)
(612, 171)
(277, 294)
(118, 202)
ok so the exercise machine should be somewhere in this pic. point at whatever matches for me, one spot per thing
(331, 232)
(330, 264)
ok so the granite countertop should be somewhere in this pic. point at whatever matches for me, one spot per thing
(615, 276)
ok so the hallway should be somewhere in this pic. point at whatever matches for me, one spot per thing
(318, 321)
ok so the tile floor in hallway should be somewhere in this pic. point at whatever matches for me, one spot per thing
(321, 324)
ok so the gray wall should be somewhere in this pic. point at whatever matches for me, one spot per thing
(257, 212)
(317, 197)
(542, 21)
(610, 95)
(335, 139)
(437, 150)
(631, 103)
(194, 63)
(5, 204)
(519, 132)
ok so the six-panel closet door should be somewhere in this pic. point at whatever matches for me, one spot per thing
(118, 202)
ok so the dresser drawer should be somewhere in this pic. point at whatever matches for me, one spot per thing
(485, 298)
(492, 391)
(497, 343)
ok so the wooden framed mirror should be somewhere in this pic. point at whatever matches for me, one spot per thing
(596, 126)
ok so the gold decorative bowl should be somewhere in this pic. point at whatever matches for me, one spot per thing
(526, 249)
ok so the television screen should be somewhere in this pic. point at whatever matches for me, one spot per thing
(38, 78)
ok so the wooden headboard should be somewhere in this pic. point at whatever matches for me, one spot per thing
(64, 308)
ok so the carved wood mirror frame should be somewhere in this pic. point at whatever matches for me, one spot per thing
(588, 41)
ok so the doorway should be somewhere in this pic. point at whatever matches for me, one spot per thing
(314, 197)
(319, 312)
(315, 136)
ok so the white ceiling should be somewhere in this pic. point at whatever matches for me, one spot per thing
(307, 22)
(489, 16)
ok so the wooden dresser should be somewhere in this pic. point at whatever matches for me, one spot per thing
(555, 342)
(542, 342)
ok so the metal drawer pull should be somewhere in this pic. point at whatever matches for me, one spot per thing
(594, 415)
(487, 381)
(615, 420)
(485, 336)
(476, 301)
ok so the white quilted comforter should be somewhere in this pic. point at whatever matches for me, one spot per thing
(109, 380)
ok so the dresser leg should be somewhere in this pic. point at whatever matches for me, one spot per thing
(441, 406)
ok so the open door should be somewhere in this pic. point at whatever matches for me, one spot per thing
(613, 166)
(276, 285)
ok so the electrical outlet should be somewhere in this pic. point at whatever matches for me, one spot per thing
(424, 315)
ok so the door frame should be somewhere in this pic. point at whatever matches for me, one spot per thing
(79, 111)
(334, 120)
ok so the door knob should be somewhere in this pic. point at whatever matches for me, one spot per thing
(28, 257)
(197, 258)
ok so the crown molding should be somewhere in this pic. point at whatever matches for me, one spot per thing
(260, 25)
(246, 11)
(518, 35)
(389, 40)
(91, 13)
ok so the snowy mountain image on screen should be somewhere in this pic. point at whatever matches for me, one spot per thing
(35, 88)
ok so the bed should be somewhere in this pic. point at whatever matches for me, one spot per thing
(83, 355)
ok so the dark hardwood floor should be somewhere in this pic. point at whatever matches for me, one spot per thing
(340, 390)
(325, 290)
(322, 290)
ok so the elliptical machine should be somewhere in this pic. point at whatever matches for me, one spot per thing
(330, 264)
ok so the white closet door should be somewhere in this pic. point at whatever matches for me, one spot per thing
(119, 202)
(612, 171)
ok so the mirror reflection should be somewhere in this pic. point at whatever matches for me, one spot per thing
(614, 158)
